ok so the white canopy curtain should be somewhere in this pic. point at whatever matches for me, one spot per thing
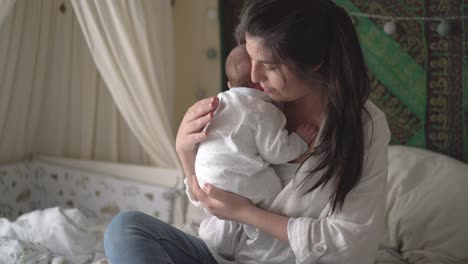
(53, 100)
(5, 8)
(132, 45)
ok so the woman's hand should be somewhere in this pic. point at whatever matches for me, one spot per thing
(190, 131)
(229, 206)
(222, 204)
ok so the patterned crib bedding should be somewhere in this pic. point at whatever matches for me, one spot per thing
(57, 214)
(33, 185)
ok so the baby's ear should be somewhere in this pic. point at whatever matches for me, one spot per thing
(229, 84)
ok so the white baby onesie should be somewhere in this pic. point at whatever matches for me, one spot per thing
(246, 135)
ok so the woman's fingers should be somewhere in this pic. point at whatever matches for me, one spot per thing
(198, 124)
(190, 131)
(198, 137)
(199, 115)
(201, 108)
(223, 204)
(205, 199)
(215, 192)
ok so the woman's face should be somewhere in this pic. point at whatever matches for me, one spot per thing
(278, 80)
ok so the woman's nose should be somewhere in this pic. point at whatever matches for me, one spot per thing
(256, 74)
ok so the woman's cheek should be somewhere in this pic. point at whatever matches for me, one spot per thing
(278, 83)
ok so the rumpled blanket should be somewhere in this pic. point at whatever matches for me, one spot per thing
(53, 235)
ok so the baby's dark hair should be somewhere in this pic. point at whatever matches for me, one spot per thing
(238, 67)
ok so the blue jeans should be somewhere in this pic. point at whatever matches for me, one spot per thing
(137, 238)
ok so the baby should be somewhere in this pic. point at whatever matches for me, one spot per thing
(245, 136)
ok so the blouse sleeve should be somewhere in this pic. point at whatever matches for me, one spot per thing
(350, 235)
(189, 194)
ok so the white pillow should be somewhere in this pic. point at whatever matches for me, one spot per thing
(427, 206)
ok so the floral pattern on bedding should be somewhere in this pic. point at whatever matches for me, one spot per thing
(18, 190)
(28, 186)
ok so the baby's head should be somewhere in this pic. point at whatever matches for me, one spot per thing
(238, 67)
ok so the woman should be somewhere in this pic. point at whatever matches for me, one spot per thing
(331, 210)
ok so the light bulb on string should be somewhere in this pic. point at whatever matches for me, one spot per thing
(390, 27)
(443, 28)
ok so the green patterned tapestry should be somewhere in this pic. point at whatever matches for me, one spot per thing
(419, 78)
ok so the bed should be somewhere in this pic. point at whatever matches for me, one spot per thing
(55, 210)
(427, 209)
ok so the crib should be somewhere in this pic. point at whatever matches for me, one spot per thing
(78, 198)
(98, 189)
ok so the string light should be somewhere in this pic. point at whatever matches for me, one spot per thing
(390, 27)
(443, 28)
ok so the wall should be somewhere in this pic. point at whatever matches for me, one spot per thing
(196, 30)
(418, 75)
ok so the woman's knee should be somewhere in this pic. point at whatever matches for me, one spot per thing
(118, 229)
(128, 223)
(123, 220)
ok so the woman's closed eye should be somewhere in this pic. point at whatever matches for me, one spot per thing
(270, 66)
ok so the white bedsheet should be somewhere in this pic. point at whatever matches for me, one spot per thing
(53, 235)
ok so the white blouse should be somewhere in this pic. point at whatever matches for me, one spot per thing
(350, 235)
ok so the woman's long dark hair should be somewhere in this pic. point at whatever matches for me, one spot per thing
(311, 33)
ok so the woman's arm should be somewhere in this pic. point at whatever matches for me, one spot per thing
(223, 204)
(191, 132)
(271, 223)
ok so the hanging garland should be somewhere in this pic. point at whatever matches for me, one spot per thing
(390, 26)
